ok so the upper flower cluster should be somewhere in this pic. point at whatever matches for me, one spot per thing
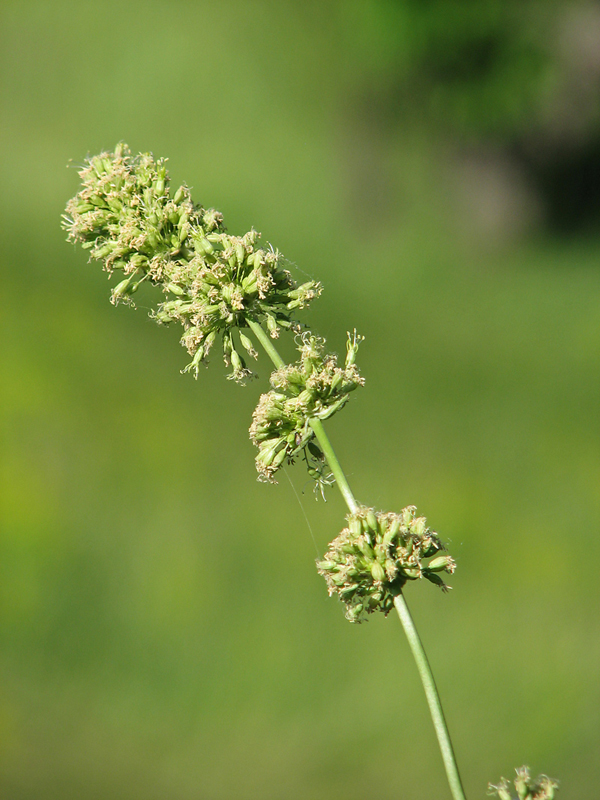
(312, 387)
(369, 562)
(126, 216)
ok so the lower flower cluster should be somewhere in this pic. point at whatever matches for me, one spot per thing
(370, 561)
(312, 388)
(526, 787)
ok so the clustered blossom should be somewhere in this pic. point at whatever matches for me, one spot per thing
(314, 387)
(217, 285)
(126, 217)
(542, 788)
(370, 561)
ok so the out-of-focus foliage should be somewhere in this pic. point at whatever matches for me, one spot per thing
(515, 81)
(473, 69)
(164, 632)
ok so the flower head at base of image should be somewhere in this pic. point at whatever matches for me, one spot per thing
(542, 788)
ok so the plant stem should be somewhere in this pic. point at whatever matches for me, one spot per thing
(425, 673)
(433, 698)
(266, 342)
(334, 464)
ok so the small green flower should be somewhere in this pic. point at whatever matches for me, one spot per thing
(370, 561)
(126, 217)
(542, 788)
(312, 387)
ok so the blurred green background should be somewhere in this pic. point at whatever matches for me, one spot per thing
(437, 166)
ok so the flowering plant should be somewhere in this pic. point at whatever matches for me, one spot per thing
(220, 288)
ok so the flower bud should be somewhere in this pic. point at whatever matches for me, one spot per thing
(431, 546)
(364, 548)
(326, 565)
(195, 362)
(102, 252)
(546, 788)
(240, 253)
(279, 459)
(249, 284)
(441, 564)
(418, 526)
(98, 166)
(337, 381)
(371, 519)
(159, 184)
(390, 568)
(122, 288)
(412, 573)
(273, 414)
(236, 361)
(392, 532)
(247, 345)
(522, 781)
(114, 204)
(501, 790)
(352, 345)
(306, 397)
(435, 578)
(202, 245)
(266, 453)
(272, 326)
(329, 411)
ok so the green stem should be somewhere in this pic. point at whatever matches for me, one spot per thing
(266, 342)
(433, 698)
(431, 693)
(334, 464)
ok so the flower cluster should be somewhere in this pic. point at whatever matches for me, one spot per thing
(126, 217)
(314, 387)
(370, 561)
(542, 788)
